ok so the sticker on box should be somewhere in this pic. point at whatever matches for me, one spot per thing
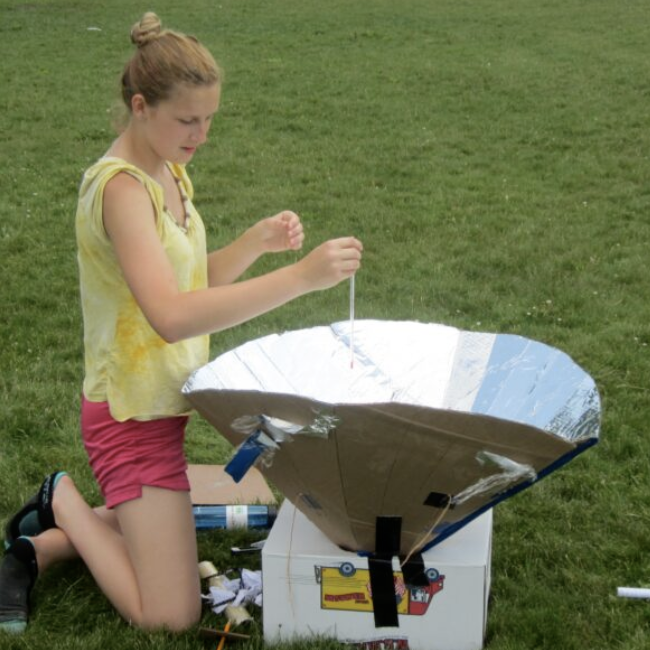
(344, 587)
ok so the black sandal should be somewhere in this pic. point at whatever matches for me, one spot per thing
(18, 572)
(36, 515)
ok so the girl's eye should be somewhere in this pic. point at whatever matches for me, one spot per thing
(194, 120)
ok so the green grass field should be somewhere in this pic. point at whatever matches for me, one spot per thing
(493, 159)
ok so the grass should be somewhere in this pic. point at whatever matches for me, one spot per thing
(492, 157)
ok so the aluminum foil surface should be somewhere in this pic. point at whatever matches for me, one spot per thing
(501, 375)
(420, 422)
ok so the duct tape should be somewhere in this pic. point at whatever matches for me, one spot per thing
(388, 531)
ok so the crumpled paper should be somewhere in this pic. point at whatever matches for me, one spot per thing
(235, 592)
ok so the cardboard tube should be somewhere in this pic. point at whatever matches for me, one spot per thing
(207, 570)
(633, 592)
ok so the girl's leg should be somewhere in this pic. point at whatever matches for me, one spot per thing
(149, 571)
(160, 536)
(55, 546)
(20, 567)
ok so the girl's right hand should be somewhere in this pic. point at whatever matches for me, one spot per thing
(330, 263)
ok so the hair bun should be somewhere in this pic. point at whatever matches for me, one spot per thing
(147, 29)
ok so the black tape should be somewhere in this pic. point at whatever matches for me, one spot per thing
(388, 531)
(382, 584)
(413, 572)
(438, 500)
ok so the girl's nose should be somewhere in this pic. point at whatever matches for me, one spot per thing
(200, 133)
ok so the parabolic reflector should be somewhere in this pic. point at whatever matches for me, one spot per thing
(429, 425)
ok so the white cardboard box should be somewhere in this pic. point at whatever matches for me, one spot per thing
(313, 588)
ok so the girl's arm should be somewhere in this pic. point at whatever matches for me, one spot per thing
(273, 234)
(129, 221)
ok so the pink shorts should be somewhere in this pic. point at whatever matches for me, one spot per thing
(124, 456)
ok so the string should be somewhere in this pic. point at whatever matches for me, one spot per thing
(428, 535)
(352, 322)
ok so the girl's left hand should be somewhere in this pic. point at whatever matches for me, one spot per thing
(281, 232)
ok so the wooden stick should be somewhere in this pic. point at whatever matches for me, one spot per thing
(208, 633)
(223, 638)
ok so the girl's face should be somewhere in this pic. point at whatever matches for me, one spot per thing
(177, 126)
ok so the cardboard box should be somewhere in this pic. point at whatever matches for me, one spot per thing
(313, 588)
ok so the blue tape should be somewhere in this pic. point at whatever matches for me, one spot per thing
(249, 451)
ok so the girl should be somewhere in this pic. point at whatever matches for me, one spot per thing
(151, 295)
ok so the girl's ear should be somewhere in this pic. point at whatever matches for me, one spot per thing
(138, 105)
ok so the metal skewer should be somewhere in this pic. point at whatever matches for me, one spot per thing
(352, 322)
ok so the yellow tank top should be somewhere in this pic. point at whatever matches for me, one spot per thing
(126, 362)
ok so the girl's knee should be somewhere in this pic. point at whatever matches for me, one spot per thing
(177, 620)
(187, 619)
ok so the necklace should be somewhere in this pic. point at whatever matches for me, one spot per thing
(186, 206)
(184, 226)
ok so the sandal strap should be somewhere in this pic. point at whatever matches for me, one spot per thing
(36, 515)
(45, 495)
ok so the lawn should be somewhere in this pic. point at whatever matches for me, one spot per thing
(493, 159)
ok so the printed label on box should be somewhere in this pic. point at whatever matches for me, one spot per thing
(344, 587)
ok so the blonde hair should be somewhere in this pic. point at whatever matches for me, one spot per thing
(164, 59)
